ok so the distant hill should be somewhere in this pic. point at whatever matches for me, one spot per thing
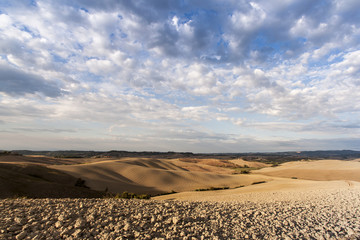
(277, 157)
(57, 174)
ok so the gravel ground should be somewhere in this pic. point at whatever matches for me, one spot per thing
(334, 215)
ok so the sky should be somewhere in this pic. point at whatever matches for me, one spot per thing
(196, 76)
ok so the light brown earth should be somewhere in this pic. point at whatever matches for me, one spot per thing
(322, 170)
(292, 180)
(278, 189)
(34, 176)
(215, 165)
(322, 203)
(144, 175)
(24, 174)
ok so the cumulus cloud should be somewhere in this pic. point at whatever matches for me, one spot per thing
(285, 67)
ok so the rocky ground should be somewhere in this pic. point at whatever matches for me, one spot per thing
(321, 215)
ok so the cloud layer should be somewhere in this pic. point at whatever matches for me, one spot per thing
(205, 76)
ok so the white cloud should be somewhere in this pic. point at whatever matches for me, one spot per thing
(164, 63)
(104, 67)
(249, 20)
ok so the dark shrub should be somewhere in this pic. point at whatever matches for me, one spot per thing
(80, 183)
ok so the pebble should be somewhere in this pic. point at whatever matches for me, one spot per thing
(79, 223)
(21, 235)
(318, 215)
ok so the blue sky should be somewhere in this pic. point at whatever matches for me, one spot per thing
(200, 76)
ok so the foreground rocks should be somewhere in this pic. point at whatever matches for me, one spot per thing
(334, 215)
